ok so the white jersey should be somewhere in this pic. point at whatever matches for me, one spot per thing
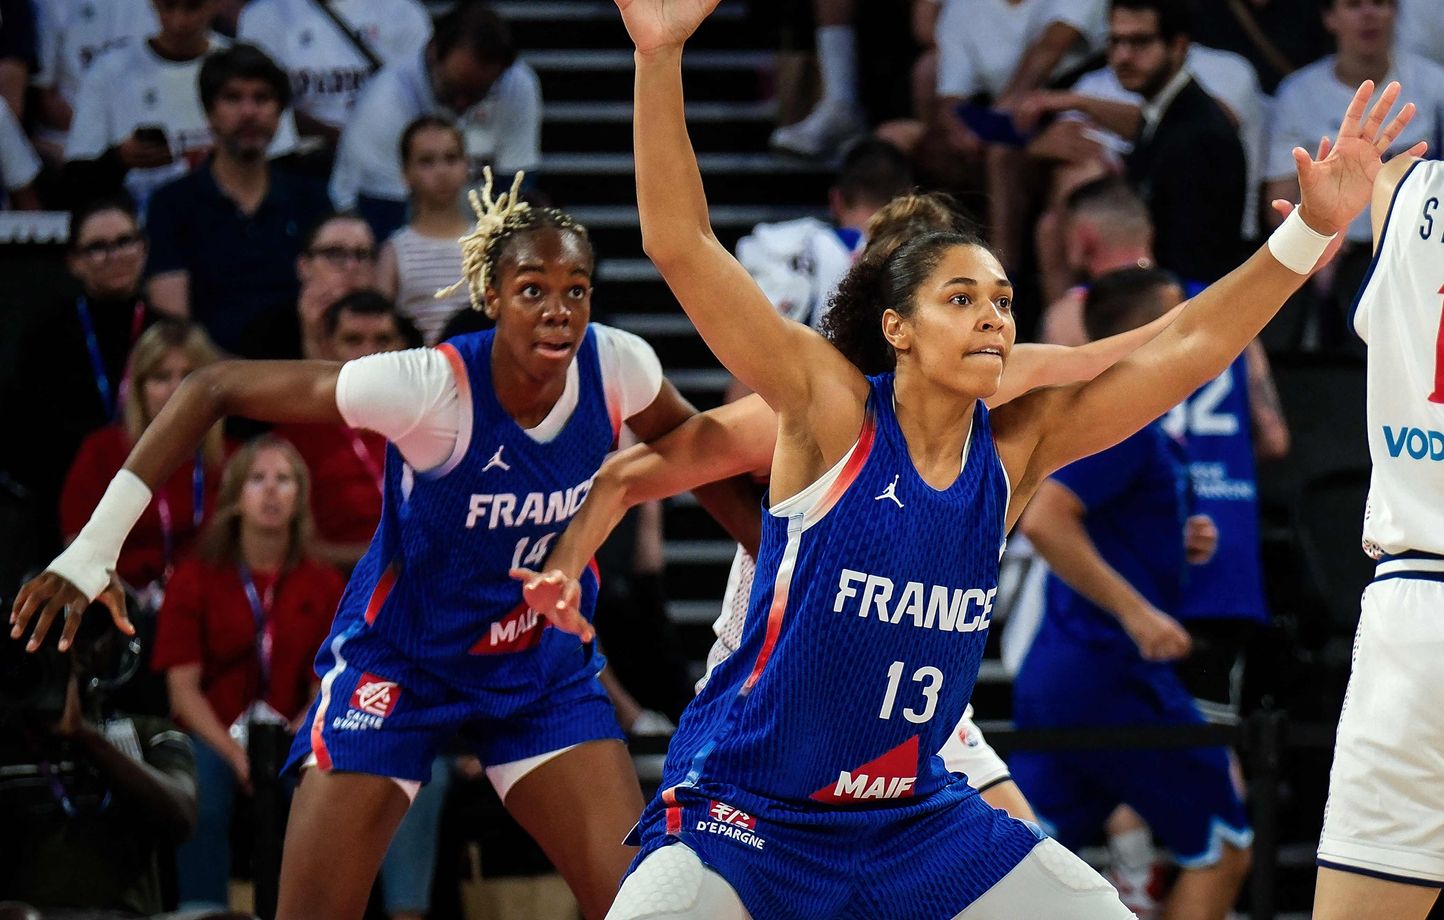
(132, 87)
(1399, 313)
(327, 70)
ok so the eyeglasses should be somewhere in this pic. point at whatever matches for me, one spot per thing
(97, 250)
(1133, 42)
(340, 255)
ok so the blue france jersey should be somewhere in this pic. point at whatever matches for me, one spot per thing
(866, 626)
(1215, 422)
(1135, 498)
(433, 586)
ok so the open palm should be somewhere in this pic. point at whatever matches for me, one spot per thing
(1338, 186)
(655, 24)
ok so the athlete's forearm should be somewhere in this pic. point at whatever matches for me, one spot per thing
(1063, 542)
(267, 391)
(606, 504)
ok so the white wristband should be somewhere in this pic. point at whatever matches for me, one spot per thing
(90, 558)
(1297, 245)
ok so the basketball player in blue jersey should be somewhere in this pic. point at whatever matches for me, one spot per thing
(495, 438)
(1381, 853)
(739, 438)
(802, 781)
(1111, 528)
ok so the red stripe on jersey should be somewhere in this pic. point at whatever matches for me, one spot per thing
(318, 743)
(783, 583)
(674, 812)
(853, 466)
(384, 584)
(458, 369)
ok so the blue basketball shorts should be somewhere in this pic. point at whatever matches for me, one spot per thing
(382, 714)
(922, 859)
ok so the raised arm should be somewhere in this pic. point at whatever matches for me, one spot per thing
(1033, 365)
(269, 391)
(730, 311)
(1216, 326)
(725, 442)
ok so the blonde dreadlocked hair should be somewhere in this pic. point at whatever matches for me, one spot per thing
(498, 221)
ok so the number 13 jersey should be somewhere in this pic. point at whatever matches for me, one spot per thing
(1398, 313)
(865, 629)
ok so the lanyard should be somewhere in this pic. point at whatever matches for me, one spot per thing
(97, 359)
(198, 509)
(364, 455)
(261, 612)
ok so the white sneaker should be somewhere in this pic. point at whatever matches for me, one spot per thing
(821, 133)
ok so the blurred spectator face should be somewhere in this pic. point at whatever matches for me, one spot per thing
(244, 118)
(360, 334)
(268, 495)
(460, 79)
(160, 385)
(1138, 54)
(435, 167)
(108, 255)
(1363, 28)
(184, 19)
(341, 258)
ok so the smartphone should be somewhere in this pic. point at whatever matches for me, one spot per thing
(154, 135)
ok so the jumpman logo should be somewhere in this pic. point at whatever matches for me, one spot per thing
(891, 492)
(496, 462)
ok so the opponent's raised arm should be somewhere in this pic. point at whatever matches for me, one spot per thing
(1216, 326)
(728, 441)
(270, 391)
(774, 357)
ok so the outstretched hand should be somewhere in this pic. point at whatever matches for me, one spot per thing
(557, 597)
(1337, 187)
(49, 595)
(1284, 208)
(657, 24)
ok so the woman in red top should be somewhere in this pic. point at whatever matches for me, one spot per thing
(241, 623)
(162, 357)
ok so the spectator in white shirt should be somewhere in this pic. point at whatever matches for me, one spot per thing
(1364, 30)
(1365, 33)
(1421, 29)
(468, 69)
(74, 34)
(138, 121)
(330, 49)
(996, 51)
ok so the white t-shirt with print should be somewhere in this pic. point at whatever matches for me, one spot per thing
(132, 87)
(327, 71)
(74, 33)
